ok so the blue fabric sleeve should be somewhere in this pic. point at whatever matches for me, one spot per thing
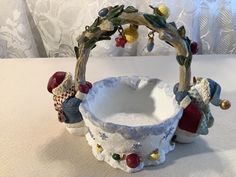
(71, 111)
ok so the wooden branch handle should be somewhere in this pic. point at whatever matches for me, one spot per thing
(103, 28)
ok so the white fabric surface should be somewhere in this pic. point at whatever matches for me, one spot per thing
(53, 25)
(16, 40)
(34, 143)
(60, 22)
(211, 23)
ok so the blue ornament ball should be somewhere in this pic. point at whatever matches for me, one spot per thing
(103, 12)
(150, 45)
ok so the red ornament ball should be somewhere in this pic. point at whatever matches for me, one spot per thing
(132, 160)
(194, 47)
(120, 41)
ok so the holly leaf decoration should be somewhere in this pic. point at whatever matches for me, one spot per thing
(117, 21)
(96, 22)
(182, 60)
(173, 24)
(94, 27)
(76, 49)
(182, 31)
(130, 9)
(187, 62)
(155, 20)
(115, 12)
(188, 42)
(91, 43)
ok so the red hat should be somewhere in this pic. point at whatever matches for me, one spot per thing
(55, 80)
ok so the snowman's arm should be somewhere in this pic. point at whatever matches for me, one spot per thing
(183, 98)
(185, 102)
(70, 108)
(74, 102)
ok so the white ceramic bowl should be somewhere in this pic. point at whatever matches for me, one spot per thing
(130, 115)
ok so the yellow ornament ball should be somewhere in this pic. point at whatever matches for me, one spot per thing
(164, 11)
(131, 34)
(99, 148)
(155, 155)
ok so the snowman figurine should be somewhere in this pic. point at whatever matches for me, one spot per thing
(67, 100)
(197, 117)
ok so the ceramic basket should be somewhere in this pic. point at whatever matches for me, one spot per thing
(130, 121)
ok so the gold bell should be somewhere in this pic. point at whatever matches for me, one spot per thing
(131, 33)
(99, 148)
(155, 155)
(225, 104)
(163, 10)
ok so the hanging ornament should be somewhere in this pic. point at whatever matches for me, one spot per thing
(155, 155)
(164, 10)
(132, 160)
(103, 12)
(194, 47)
(150, 44)
(99, 148)
(131, 33)
(161, 10)
(120, 40)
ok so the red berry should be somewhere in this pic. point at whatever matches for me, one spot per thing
(89, 84)
(84, 88)
(194, 47)
(132, 160)
(120, 41)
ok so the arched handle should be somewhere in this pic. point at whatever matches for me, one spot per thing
(111, 18)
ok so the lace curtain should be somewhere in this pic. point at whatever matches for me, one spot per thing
(16, 38)
(211, 23)
(39, 28)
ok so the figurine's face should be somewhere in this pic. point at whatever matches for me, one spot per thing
(69, 81)
(196, 80)
(201, 86)
(64, 86)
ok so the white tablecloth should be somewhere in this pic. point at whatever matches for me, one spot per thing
(35, 144)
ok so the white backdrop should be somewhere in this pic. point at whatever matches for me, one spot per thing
(39, 28)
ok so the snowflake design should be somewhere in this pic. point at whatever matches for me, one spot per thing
(168, 133)
(91, 134)
(136, 146)
(103, 136)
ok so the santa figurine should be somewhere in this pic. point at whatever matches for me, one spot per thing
(197, 117)
(67, 100)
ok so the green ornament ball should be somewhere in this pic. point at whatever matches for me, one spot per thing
(116, 156)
